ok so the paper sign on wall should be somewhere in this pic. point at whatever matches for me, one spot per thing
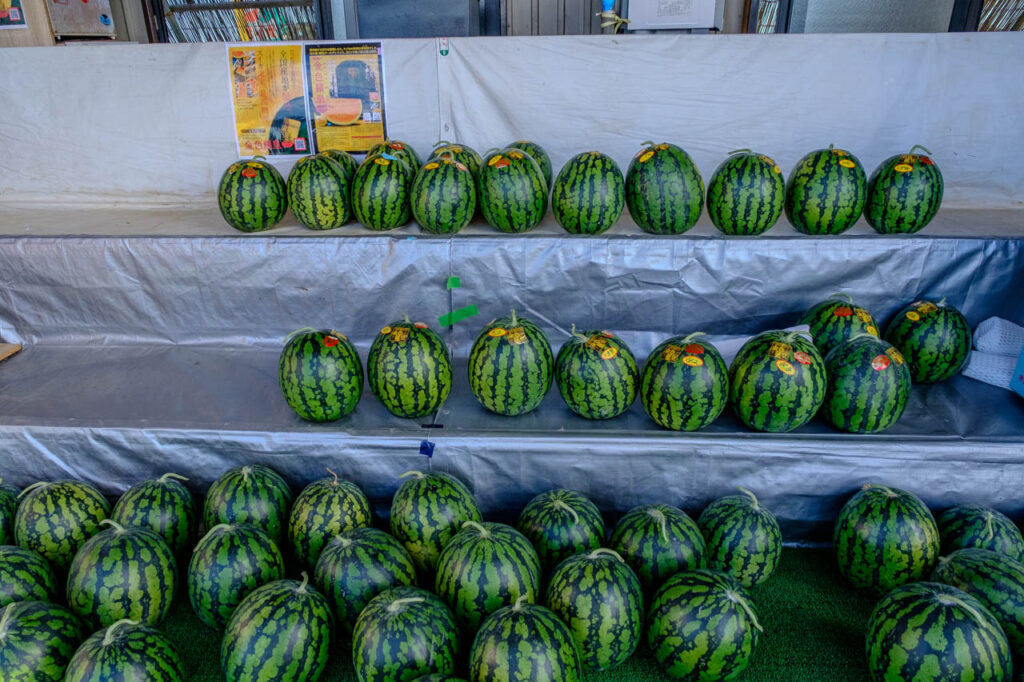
(346, 95)
(11, 14)
(269, 99)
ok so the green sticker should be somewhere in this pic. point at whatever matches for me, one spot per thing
(454, 283)
(457, 315)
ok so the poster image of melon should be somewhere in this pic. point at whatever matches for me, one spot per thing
(269, 100)
(345, 84)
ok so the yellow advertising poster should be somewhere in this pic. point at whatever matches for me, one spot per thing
(346, 95)
(268, 95)
(11, 14)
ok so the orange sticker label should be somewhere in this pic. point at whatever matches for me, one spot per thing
(846, 163)
(494, 159)
(497, 331)
(504, 163)
(397, 145)
(382, 161)
(331, 341)
(420, 325)
(249, 173)
(785, 367)
(646, 156)
(597, 342)
(431, 166)
(385, 330)
(517, 336)
(896, 356)
(912, 316)
(779, 350)
(695, 348)
(871, 329)
(399, 334)
(609, 353)
(843, 311)
(880, 362)
(671, 353)
(693, 361)
(903, 168)
(802, 357)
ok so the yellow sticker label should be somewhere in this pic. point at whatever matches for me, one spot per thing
(662, 147)
(609, 353)
(777, 169)
(671, 353)
(896, 356)
(494, 159)
(693, 361)
(432, 165)
(903, 168)
(399, 334)
(862, 315)
(927, 308)
(385, 330)
(517, 336)
(840, 152)
(517, 155)
(767, 160)
(646, 156)
(381, 161)
(846, 163)
(597, 342)
(497, 331)
(254, 164)
(785, 367)
(455, 149)
(871, 330)
(912, 316)
(780, 351)
(908, 158)
(235, 167)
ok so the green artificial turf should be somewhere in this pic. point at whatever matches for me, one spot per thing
(813, 631)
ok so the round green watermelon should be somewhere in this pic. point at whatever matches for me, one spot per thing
(55, 519)
(281, 632)
(25, 576)
(596, 374)
(746, 194)
(826, 191)
(409, 369)
(511, 191)
(928, 631)
(126, 650)
(123, 572)
(537, 153)
(777, 381)
(483, 567)
(356, 566)
(320, 375)
(702, 627)
(684, 384)
(37, 639)
(588, 194)
(599, 597)
(460, 153)
(836, 320)
(249, 494)
(252, 195)
(164, 505)
(560, 523)
(8, 510)
(904, 193)
(658, 540)
(664, 189)
(511, 366)
(398, 149)
(318, 192)
(741, 538)
(380, 192)
(346, 161)
(229, 562)
(325, 508)
(934, 338)
(404, 633)
(885, 537)
(868, 385)
(443, 195)
(426, 511)
(973, 525)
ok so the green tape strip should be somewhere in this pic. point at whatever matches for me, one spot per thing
(457, 315)
(454, 283)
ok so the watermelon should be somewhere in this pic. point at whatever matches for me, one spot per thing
(123, 573)
(409, 369)
(398, 149)
(126, 651)
(599, 597)
(868, 385)
(37, 639)
(356, 566)
(164, 506)
(537, 153)
(249, 494)
(323, 509)
(55, 519)
(320, 375)
(746, 194)
(524, 642)
(885, 537)
(657, 540)
(318, 192)
(596, 374)
(934, 338)
(972, 525)
(904, 193)
(439, 677)
(741, 538)
(281, 632)
(229, 562)
(403, 633)
(777, 381)
(588, 194)
(443, 195)
(252, 195)
(25, 576)
(560, 523)
(995, 580)
(836, 320)
(380, 192)
(346, 161)
(483, 567)
(511, 191)
(511, 366)
(664, 189)
(684, 384)
(8, 510)
(826, 191)
(426, 511)
(928, 631)
(460, 153)
(702, 626)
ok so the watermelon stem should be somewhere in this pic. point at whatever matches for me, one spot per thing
(737, 599)
(5, 621)
(118, 528)
(210, 532)
(942, 303)
(737, 151)
(303, 584)
(417, 474)
(885, 489)
(753, 498)
(163, 479)
(579, 336)
(951, 600)
(572, 512)
(335, 482)
(843, 294)
(865, 335)
(32, 487)
(405, 318)
(514, 317)
(518, 606)
(659, 516)
(442, 143)
(111, 634)
(691, 337)
(297, 332)
(918, 146)
(398, 603)
(484, 533)
(245, 473)
(988, 526)
(647, 143)
(602, 551)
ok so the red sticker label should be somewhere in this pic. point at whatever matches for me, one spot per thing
(330, 341)
(397, 145)
(927, 161)
(880, 362)
(504, 163)
(607, 333)
(695, 348)
(802, 357)
(420, 325)
(843, 311)
(249, 173)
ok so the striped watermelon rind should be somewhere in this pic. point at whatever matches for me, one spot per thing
(320, 375)
(511, 366)
(885, 537)
(904, 193)
(511, 191)
(560, 523)
(409, 369)
(539, 156)
(443, 195)
(8, 510)
(126, 650)
(836, 320)
(25, 576)
(249, 494)
(398, 149)
(746, 194)
(325, 508)
(599, 597)
(345, 161)
(588, 194)
(658, 540)
(426, 511)
(935, 339)
(459, 152)
(252, 195)
(318, 192)
(164, 505)
(930, 631)
(55, 519)
(868, 385)
(777, 381)
(741, 538)
(664, 189)
(380, 192)
(684, 384)
(524, 642)
(826, 192)
(38, 640)
(702, 625)
(971, 525)
(596, 374)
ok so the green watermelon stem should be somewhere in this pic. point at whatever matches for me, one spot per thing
(111, 633)
(514, 321)
(5, 621)
(647, 143)
(738, 151)
(575, 333)
(335, 481)
(604, 551)
(885, 489)
(692, 336)
(295, 333)
(492, 149)
(737, 599)
(169, 475)
(518, 606)
(843, 294)
(32, 487)
(345, 542)
(118, 528)
(304, 584)
(831, 145)
(561, 504)
(405, 318)
(416, 473)
(442, 143)
(990, 532)
(942, 302)
(952, 600)
(659, 516)
(864, 335)
(245, 473)
(484, 533)
(394, 606)
(752, 496)
(919, 146)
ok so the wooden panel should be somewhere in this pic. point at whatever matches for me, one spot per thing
(519, 16)
(8, 349)
(38, 32)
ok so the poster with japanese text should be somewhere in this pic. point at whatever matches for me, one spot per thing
(269, 99)
(11, 14)
(346, 95)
